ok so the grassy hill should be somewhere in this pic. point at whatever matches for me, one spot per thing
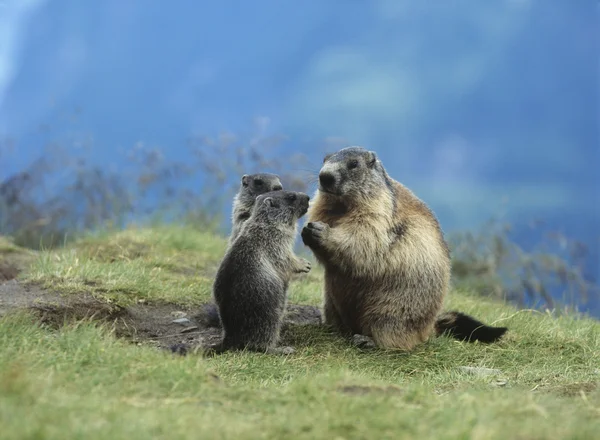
(81, 325)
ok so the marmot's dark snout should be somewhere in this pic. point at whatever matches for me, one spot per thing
(327, 180)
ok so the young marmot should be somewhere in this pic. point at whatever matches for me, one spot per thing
(251, 187)
(250, 287)
(387, 264)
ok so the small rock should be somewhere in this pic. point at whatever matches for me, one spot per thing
(189, 329)
(500, 382)
(178, 314)
(287, 350)
(182, 321)
(480, 371)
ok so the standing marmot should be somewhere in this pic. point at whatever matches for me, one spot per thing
(251, 187)
(250, 287)
(387, 265)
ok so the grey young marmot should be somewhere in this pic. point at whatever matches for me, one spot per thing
(387, 264)
(251, 186)
(250, 288)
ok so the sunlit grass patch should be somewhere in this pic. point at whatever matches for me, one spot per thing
(173, 264)
(7, 246)
(80, 381)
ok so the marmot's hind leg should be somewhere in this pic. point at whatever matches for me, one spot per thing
(251, 334)
(270, 345)
(392, 334)
(265, 337)
(332, 318)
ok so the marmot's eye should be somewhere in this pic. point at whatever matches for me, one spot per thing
(258, 182)
(291, 197)
(352, 164)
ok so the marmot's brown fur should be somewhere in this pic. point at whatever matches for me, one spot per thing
(387, 264)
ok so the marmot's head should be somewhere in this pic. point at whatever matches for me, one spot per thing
(281, 206)
(255, 184)
(351, 172)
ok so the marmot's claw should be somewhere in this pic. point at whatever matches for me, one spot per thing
(362, 341)
(306, 266)
(317, 226)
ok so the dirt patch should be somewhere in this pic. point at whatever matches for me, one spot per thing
(165, 326)
(52, 308)
(302, 315)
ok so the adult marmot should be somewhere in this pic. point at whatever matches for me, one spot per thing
(250, 288)
(387, 264)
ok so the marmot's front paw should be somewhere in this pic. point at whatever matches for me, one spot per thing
(304, 266)
(314, 233)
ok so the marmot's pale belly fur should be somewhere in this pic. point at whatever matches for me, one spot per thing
(387, 265)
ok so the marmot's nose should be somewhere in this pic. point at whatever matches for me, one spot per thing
(326, 179)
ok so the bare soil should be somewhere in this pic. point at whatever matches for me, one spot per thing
(166, 326)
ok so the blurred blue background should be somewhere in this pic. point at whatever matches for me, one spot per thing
(482, 108)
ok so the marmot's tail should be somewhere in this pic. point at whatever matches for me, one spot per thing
(466, 328)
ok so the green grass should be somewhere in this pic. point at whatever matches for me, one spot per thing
(159, 264)
(7, 246)
(12, 255)
(81, 382)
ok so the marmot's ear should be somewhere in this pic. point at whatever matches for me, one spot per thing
(245, 180)
(372, 159)
(327, 156)
(278, 187)
(270, 201)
